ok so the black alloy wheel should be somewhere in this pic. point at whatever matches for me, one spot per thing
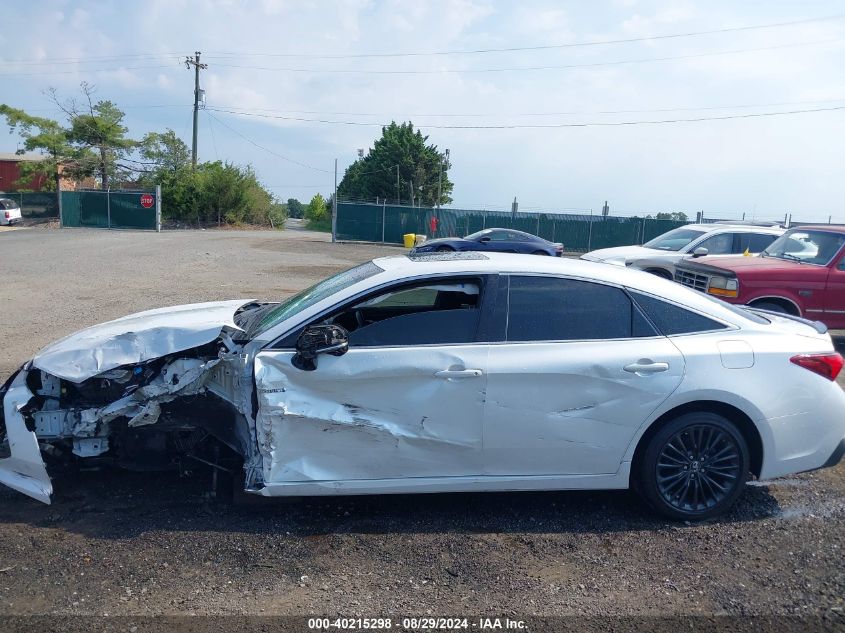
(695, 467)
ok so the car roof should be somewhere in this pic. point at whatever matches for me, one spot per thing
(403, 266)
(734, 228)
(831, 228)
(498, 228)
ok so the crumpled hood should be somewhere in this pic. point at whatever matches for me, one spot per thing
(136, 338)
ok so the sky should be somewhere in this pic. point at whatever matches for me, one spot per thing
(293, 85)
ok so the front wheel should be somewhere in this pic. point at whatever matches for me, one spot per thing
(659, 272)
(694, 468)
(444, 249)
(770, 306)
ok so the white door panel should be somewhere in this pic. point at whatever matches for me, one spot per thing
(374, 413)
(572, 407)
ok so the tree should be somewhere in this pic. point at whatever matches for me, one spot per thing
(419, 165)
(679, 216)
(97, 131)
(295, 208)
(316, 210)
(165, 151)
(41, 134)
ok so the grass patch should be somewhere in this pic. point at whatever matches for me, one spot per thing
(325, 226)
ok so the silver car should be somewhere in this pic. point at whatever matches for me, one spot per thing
(660, 255)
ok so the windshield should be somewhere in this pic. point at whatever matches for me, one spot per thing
(674, 240)
(810, 247)
(316, 293)
(477, 234)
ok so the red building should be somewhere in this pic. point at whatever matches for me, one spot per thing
(10, 172)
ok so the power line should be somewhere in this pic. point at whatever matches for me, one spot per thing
(548, 125)
(269, 151)
(537, 48)
(97, 58)
(448, 71)
(542, 114)
(86, 70)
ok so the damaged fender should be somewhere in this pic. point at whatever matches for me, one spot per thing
(128, 341)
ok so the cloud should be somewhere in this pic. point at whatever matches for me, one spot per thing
(784, 163)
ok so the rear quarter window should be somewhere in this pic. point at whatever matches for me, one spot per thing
(671, 319)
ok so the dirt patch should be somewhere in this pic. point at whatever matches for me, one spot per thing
(143, 543)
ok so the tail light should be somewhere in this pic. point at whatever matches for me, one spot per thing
(827, 365)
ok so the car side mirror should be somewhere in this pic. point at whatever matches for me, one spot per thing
(701, 251)
(484, 239)
(316, 340)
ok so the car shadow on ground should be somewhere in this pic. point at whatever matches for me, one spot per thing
(117, 504)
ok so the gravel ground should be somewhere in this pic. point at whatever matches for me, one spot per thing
(138, 543)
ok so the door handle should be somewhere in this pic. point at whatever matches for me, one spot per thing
(645, 366)
(458, 374)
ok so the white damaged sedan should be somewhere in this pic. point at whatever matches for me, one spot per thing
(443, 373)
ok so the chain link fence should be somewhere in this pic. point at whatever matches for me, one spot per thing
(578, 233)
(111, 209)
(35, 205)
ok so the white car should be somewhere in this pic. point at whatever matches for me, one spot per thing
(660, 255)
(10, 211)
(444, 373)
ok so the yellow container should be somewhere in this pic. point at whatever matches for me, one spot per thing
(408, 238)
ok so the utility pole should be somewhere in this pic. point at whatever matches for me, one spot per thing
(411, 189)
(195, 62)
(334, 205)
(398, 197)
(440, 178)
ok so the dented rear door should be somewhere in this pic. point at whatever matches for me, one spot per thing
(580, 372)
(372, 414)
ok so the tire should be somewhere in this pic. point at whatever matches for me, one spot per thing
(771, 306)
(444, 249)
(659, 272)
(540, 253)
(695, 489)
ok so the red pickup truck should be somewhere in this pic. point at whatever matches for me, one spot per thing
(800, 273)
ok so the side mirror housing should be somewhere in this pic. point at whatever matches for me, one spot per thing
(484, 239)
(701, 251)
(316, 340)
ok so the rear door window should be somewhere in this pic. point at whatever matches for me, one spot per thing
(754, 242)
(557, 309)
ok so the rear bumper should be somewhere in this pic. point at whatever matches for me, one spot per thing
(835, 456)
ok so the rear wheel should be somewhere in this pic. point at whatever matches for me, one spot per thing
(539, 253)
(694, 468)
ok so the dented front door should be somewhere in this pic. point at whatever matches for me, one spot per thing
(372, 414)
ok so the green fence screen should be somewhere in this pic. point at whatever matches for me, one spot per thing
(577, 233)
(35, 205)
(108, 209)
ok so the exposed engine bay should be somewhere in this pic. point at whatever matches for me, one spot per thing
(188, 406)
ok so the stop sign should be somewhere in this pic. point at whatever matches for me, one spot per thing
(147, 200)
